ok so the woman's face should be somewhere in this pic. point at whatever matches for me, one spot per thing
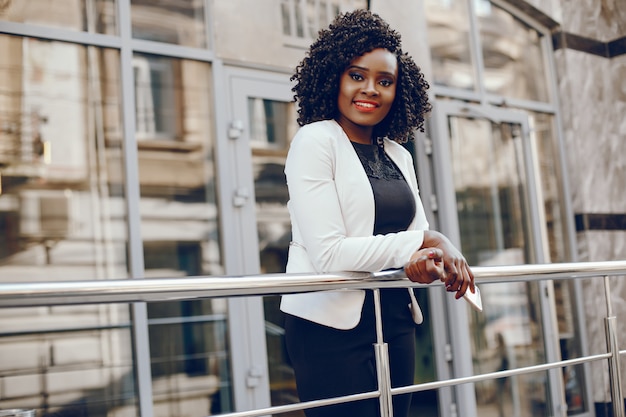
(367, 89)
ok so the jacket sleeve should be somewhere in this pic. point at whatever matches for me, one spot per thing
(320, 226)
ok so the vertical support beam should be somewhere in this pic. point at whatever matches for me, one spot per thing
(382, 362)
(615, 375)
(139, 311)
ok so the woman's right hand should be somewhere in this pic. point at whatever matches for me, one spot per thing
(425, 266)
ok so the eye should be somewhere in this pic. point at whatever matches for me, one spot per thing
(356, 76)
(386, 83)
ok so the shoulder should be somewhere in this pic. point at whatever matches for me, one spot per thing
(324, 129)
(321, 136)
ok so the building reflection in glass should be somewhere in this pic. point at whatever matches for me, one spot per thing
(63, 218)
(180, 22)
(449, 40)
(94, 16)
(512, 57)
(491, 194)
(180, 231)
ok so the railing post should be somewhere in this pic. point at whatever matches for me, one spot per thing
(615, 375)
(382, 362)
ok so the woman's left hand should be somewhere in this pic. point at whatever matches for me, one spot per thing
(458, 276)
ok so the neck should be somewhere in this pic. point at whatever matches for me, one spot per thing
(356, 133)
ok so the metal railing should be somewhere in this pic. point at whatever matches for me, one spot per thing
(30, 294)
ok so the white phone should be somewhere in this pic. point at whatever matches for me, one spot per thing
(474, 298)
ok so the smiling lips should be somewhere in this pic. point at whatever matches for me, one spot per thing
(365, 106)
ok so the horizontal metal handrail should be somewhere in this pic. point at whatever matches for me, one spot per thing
(498, 374)
(22, 294)
(415, 388)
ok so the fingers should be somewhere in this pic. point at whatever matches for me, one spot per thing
(432, 264)
(459, 277)
(425, 266)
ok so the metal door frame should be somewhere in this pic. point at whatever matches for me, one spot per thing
(248, 360)
(457, 335)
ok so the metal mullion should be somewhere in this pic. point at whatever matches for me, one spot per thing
(61, 35)
(567, 213)
(171, 50)
(455, 93)
(141, 343)
(448, 221)
(520, 104)
(476, 51)
(541, 252)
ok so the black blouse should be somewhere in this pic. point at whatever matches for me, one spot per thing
(394, 201)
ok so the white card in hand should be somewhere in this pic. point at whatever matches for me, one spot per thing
(474, 298)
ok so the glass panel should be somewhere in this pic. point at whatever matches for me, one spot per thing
(96, 16)
(542, 133)
(62, 218)
(272, 125)
(542, 128)
(179, 22)
(512, 55)
(190, 359)
(179, 226)
(449, 39)
(491, 195)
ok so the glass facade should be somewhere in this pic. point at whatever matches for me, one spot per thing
(499, 167)
(122, 156)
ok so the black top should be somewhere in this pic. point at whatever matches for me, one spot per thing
(394, 201)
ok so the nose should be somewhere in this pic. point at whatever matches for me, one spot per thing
(369, 88)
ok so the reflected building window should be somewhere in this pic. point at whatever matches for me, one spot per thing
(449, 40)
(181, 22)
(155, 98)
(302, 19)
(512, 55)
(95, 16)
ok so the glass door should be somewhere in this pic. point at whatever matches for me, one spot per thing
(485, 174)
(263, 123)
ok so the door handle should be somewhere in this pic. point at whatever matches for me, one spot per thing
(241, 197)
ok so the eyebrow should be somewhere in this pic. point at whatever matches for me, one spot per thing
(367, 70)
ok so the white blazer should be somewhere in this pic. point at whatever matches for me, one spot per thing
(331, 204)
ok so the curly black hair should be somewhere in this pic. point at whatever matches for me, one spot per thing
(348, 37)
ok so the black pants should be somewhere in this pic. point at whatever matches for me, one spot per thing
(329, 362)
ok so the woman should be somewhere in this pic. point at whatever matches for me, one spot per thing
(354, 206)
